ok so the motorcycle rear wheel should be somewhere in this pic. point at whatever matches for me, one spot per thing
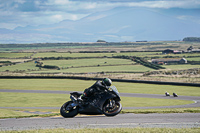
(112, 111)
(66, 113)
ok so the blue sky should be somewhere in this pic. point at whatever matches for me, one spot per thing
(14, 13)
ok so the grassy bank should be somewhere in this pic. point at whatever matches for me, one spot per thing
(164, 110)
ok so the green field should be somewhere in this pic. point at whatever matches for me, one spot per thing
(193, 59)
(80, 85)
(80, 65)
(69, 54)
(23, 67)
(181, 67)
(56, 100)
(15, 55)
(87, 62)
(92, 64)
(71, 62)
(194, 56)
(53, 54)
(90, 70)
(14, 60)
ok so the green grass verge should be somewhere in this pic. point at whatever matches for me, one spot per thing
(156, 89)
(111, 130)
(15, 113)
(21, 113)
(32, 99)
(80, 85)
(46, 84)
(9, 113)
(56, 100)
(151, 102)
(164, 110)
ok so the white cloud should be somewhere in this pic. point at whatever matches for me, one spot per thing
(57, 17)
(190, 18)
(61, 2)
(165, 4)
(92, 18)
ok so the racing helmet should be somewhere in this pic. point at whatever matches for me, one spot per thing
(107, 81)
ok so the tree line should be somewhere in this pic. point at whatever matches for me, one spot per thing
(192, 39)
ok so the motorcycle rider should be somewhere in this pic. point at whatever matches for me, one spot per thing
(96, 88)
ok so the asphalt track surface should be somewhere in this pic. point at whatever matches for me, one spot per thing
(130, 120)
(172, 120)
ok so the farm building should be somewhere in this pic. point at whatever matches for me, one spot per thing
(169, 61)
(168, 51)
(177, 52)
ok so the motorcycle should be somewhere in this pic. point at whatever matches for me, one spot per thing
(106, 102)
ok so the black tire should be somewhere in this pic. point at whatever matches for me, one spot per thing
(113, 111)
(68, 113)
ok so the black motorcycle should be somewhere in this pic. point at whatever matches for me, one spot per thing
(106, 102)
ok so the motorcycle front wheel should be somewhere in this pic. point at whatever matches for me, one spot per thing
(68, 111)
(112, 108)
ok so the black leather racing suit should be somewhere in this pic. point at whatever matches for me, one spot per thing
(95, 88)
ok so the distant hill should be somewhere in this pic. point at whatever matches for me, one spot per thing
(115, 25)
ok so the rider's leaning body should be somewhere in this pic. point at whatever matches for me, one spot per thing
(97, 87)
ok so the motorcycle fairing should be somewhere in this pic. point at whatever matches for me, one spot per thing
(104, 98)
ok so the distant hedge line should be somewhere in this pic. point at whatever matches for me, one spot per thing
(147, 64)
(5, 62)
(141, 61)
(88, 78)
(66, 58)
